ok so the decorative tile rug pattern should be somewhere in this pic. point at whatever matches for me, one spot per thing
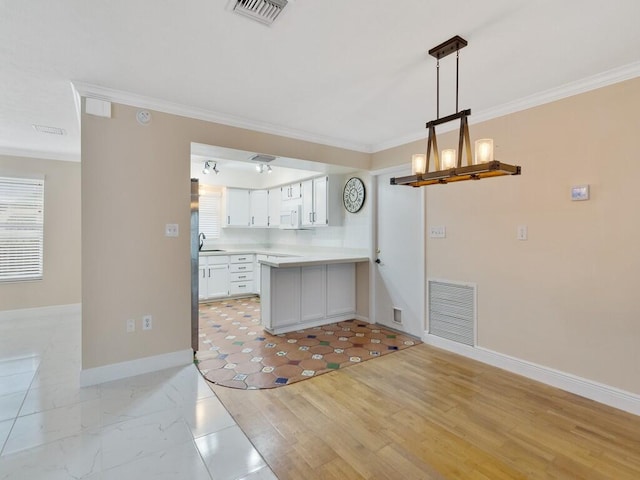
(236, 352)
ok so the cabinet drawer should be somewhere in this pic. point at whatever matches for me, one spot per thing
(237, 288)
(248, 258)
(241, 267)
(218, 259)
(242, 277)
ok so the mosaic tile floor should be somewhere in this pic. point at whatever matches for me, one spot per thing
(236, 352)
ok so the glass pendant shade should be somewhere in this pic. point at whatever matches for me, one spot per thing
(448, 158)
(418, 164)
(484, 151)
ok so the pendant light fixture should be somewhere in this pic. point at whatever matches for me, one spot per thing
(448, 166)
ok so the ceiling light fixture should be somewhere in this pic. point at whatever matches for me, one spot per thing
(208, 168)
(449, 168)
(261, 168)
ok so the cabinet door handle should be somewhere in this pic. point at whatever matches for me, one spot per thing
(242, 258)
(310, 217)
(252, 220)
(242, 268)
(242, 276)
(209, 273)
(228, 219)
(203, 276)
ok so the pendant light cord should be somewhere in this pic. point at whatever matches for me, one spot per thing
(438, 88)
(457, 65)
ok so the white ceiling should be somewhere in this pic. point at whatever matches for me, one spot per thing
(352, 73)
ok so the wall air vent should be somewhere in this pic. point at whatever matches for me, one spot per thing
(262, 158)
(452, 311)
(263, 11)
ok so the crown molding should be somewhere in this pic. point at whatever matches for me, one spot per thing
(134, 100)
(610, 77)
(45, 155)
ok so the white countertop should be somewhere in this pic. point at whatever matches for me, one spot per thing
(306, 261)
(283, 257)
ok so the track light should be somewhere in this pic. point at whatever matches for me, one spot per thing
(208, 168)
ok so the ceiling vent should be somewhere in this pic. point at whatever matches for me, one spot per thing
(51, 130)
(262, 158)
(263, 11)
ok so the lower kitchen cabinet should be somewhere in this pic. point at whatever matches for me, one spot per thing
(294, 298)
(222, 276)
(213, 277)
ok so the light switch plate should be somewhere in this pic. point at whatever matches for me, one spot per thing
(523, 233)
(580, 193)
(439, 231)
(171, 230)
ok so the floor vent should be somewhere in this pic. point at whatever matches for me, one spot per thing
(452, 311)
(263, 11)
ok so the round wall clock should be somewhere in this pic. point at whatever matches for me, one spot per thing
(353, 195)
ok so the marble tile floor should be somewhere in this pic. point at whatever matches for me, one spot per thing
(162, 425)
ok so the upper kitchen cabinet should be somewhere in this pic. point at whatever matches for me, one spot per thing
(275, 205)
(238, 207)
(291, 192)
(321, 202)
(259, 208)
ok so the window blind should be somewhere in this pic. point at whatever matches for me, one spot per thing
(21, 228)
(210, 215)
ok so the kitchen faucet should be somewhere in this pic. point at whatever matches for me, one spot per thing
(201, 238)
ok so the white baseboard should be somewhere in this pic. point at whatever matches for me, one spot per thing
(38, 312)
(131, 368)
(608, 395)
(362, 318)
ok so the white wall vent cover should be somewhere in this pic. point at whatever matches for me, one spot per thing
(264, 11)
(452, 311)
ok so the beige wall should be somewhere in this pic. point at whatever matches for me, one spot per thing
(567, 297)
(135, 179)
(61, 275)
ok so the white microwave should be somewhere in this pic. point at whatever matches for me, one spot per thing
(291, 218)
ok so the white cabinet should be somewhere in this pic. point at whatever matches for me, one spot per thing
(213, 277)
(313, 283)
(241, 274)
(291, 192)
(238, 207)
(275, 204)
(259, 200)
(318, 201)
(218, 281)
(307, 203)
(341, 289)
(295, 298)
(285, 297)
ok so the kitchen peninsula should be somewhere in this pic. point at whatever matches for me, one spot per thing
(308, 291)
(297, 289)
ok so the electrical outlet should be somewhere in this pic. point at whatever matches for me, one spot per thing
(131, 325)
(147, 322)
(171, 230)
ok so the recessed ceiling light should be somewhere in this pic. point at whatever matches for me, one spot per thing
(51, 130)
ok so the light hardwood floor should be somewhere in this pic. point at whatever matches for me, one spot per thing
(423, 413)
